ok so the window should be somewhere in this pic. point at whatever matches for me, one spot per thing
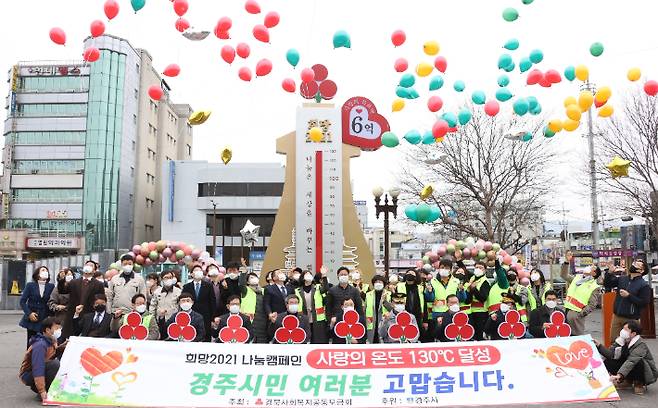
(167, 158)
(171, 139)
(49, 166)
(72, 227)
(130, 198)
(45, 195)
(148, 229)
(149, 203)
(150, 178)
(49, 138)
(54, 84)
(137, 67)
(189, 150)
(240, 189)
(132, 171)
(150, 153)
(52, 109)
(134, 119)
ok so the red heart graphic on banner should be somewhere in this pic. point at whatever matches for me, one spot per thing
(577, 356)
(96, 363)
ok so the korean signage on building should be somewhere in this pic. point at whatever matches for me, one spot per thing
(51, 70)
(53, 243)
(610, 253)
(57, 214)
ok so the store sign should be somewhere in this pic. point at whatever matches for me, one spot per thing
(609, 253)
(51, 70)
(53, 243)
(57, 214)
(114, 372)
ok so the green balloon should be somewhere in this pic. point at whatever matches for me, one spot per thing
(423, 212)
(435, 213)
(153, 255)
(536, 56)
(510, 67)
(428, 138)
(389, 139)
(510, 14)
(464, 116)
(293, 57)
(436, 83)
(451, 118)
(511, 44)
(407, 80)
(402, 92)
(459, 86)
(532, 102)
(570, 72)
(505, 60)
(596, 49)
(478, 97)
(521, 106)
(525, 64)
(527, 137)
(548, 132)
(342, 39)
(413, 137)
(527, 1)
(410, 211)
(503, 94)
(413, 94)
(503, 80)
(137, 4)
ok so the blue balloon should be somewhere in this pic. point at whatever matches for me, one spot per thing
(413, 94)
(464, 116)
(521, 106)
(413, 137)
(510, 67)
(402, 92)
(525, 64)
(503, 80)
(423, 212)
(411, 211)
(536, 110)
(451, 118)
(505, 60)
(137, 4)
(428, 138)
(479, 97)
(511, 44)
(527, 137)
(407, 81)
(435, 213)
(503, 94)
(536, 56)
(459, 86)
(436, 83)
(532, 102)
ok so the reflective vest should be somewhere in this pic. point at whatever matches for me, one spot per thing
(370, 306)
(441, 293)
(547, 286)
(402, 288)
(578, 295)
(318, 303)
(146, 320)
(364, 287)
(248, 302)
(476, 305)
(523, 310)
(495, 298)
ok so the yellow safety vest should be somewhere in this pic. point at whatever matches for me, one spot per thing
(402, 288)
(441, 293)
(370, 306)
(248, 302)
(318, 303)
(146, 319)
(495, 298)
(476, 305)
(578, 295)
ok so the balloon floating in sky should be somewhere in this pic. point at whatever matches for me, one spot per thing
(548, 133)
(172, 70)
(426, 192)
(413, 137)
(441, 64)
(603, 94)
(431, 48)
(401, 65)
(634, 74)
(272, 19)
(198, 118)
(91, 54)
(618, 167)
(478, 97)
(97, 28)
(243, 50)
(555, 125)
(504, 61)
(570, 73)
(536, 56)
(582, 73)
(436, 83)
(492, 108)
(182, 24)
(511, 44)
(510, 14)
(261, 33)
(570, 125)
(244, 74)
(389, 139)
(573, 112)
(503, 80)
(424, 69)
(521, 106)
(398, 38)
(434, 103)
(606, 111)
(137, 4)
(228, 54)
(459, 85)
(527, 1)
(58, 36)
(407, 81)
(288, 85)
(292, 56)
(440, 128)
(342, 39)
(397, 105)
(252, 7)
(585, 100)
(464, 116)
(596, 49)
(181, 7)
(111, 9)
(534, 77)
(651, 87)
(525, 64)
(227, 155)
(503, 94)
(307, 75)
(263, 67)
(155, 92)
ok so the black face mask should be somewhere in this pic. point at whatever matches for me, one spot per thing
(100, 308)
(633, 269)
(410, 278)
(511, 278)
(460, 276)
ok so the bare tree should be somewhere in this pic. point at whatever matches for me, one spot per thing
(493, 188)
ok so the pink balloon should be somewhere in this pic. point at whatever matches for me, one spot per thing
(263, 67)
(434, 103)
(167, 252)
(155, 92)
(288, 85)
(111, 8)
(492, 107)
(401, 65)
(136, 249)
(144, 251)
(228, 54)
(97, 28)
(245, 74)
(58, 36)
(419, 264)
(398, 38)
(187, 250)
(182, 24)
(252, 7)
(181, 7)
(523, 274)
(243, 50)
(196, 253)
(534, 77)
(452, 242)
(222, 35)
(440, 128)
(442, 250)
(507, 260)
(139, 259)
(272, 19)
(488, 246)
(151, 246)
(224, 24)
(466, 253)
(434, 256)
(307, 75)
(91, 54)
(441, 64)
(261, 33)
(172, 70)
(502, 253)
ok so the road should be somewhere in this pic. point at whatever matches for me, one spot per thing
(16, 395)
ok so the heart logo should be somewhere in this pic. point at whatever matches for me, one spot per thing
(362, 125)
(96, 363)
(577, 356)
(359, 110)
(121, 379)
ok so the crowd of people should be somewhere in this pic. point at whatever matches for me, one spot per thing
(96, 305)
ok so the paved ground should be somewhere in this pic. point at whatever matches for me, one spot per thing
(15, 395)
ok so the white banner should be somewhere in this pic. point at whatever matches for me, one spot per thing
(111, 372)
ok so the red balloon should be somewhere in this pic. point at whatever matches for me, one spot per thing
(440, 128)
(172, 70)
(288, 85)
(97, 28)
(252, 7)
(224, 24)
(243, 50)
(307, 75)
(228, 54)
(401, 65)
(222, 35)
(91, 54)
(272, 19)
(58, 36)
(398, 38)
(544, 82)
(245, 74)
(534, 77)
(261, 33)
(111, 9)
(434, 103)
(180, 7)
(492, 107)
(441, 63)
(182, 24)
(553, 76)
(651, 87)
(155, 92)
(599, 104)
(263, 67)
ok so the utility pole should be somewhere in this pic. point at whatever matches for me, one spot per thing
(588, 86)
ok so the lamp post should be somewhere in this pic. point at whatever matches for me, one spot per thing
(214, 227)
(386, 208)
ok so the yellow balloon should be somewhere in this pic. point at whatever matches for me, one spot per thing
(585, 100)
(439, 139)
(603, 94)
(424, 69)
(227, 154)
(582, 72)
(570, 125)
(570, 100)
(606, 111)
(431, 48)
(634, 74)
(555, 125)
(315, 134)
(198, 117)
(426, 192)
(573, 112)
(398, 105)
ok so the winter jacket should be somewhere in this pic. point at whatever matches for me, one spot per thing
(121, 292)
(33, 302)
(638, 353)
(41, 350)
(58, 299)
(639, 294)
(389, 321)
(165, 300)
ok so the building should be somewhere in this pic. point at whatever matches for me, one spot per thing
(82, 146)
(375, 239)
(199, 197)
(362, 213)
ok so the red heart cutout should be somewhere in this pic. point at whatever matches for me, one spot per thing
(460, 319)
(282, 335)
(358, 331)
(342, 329)
(577, 356)
(368, 113)
(395, 331)
(95, 363)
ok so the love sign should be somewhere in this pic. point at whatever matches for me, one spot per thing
(362, 125)
(577, 356)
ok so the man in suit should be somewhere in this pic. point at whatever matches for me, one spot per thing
(203, 297)
(186, 305)
(233, 307)
(274, 298)
(540, 318)
(292, 308)
(81, 291)
(93, 324)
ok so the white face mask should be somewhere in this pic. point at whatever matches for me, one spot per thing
(149, 284)
(504, 307)
(454, 308)
(393, 279)
(399, 307)
(348, 308)
(87, 269)
(534, 276)
(551, 304)
(185, 306)
(68, 278)
(232, 276)
(343, 279)
(234, 309)
(308, 278)
(624, 334)
(101, 280)
(43, 275)
(444, 273)
(356, 276)
(213, 272)
(293, 308)
(57, 334)
(296, 276)
(220, 276)
(169, 282)
(378, 286)
(127, 268)
(281, 276)
(198, 274)
(478, 272)
(253, 281)
(140, 308)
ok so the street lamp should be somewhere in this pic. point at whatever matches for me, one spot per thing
(386, 208)
(214, 227)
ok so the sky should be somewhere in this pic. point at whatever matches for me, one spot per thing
(249, 116)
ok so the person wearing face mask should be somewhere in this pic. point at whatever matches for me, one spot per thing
(34, 301)
(186, 305)
(539, 286)
(338, 293)
(233, 306)
(122, 287)
(82, 294)
(217, 279)
(436, 294)
(498, 288)
(148, 320)
(507, 303)
(582, 297)
(295, 278)
(520, 294)
(414, 293)
(478, 288)
(311, 297)
(445, 318)
(152, 283)
(292, 308)
(58, 303)
(540, 318)
(348, 304)
(274, 297)
(392, 284)
(357, 282)
(40, 366)
(164, 302)
(633, 295)
(93, 324)
(399, 302)
(203, 297)
(236, 281)
(378, 302)
(251, 304)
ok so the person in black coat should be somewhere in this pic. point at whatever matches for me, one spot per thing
(94, 324)
(292, 305)
(34, 301)
(81, 291)
(348, 304)
(274, 298)
(540, 318)
(233, 306)
(203, 297)
(186, 305)
(495, 319)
